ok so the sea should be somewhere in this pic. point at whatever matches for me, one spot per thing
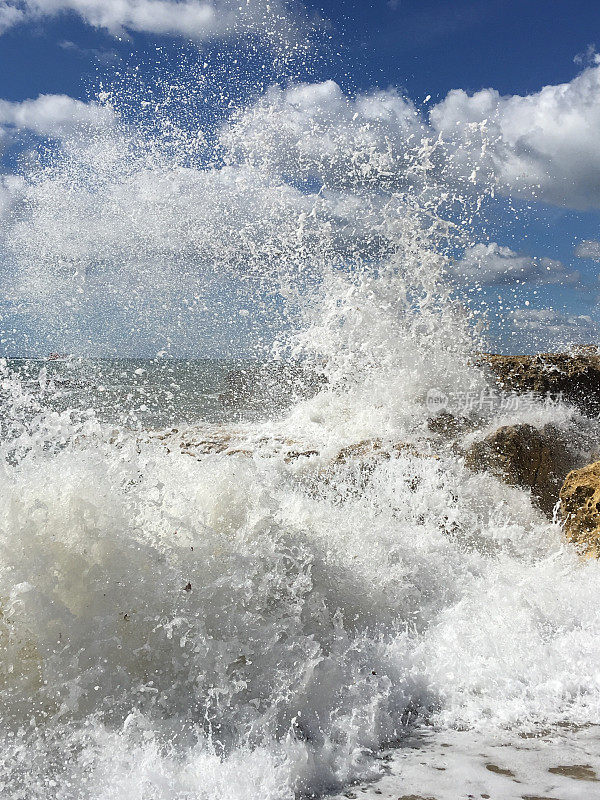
(205, 598)
(143, 393)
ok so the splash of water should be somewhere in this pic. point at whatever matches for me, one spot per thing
(253, 625)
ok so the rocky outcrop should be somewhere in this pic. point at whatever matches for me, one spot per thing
(573, 376)
(580, 508)
(522, 455)
(450, 426)
(370, 449)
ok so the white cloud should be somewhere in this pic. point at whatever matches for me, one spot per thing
(10, 15)
(544, 330)
(194, 19)
(314, 131)
(345, 150)
(588, 57)
(556, 327)
(545, 144)
(133, 219)
(115, 229)
(189, 17)
(588, 248)
(138, 207)
(542, 145)
(53, 115)
(122, 199)
(494, 264)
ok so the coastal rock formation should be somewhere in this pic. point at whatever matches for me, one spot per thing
(203, 441)
(580, 508)
(522, 455)
(370, 449)
(573, 376)
(450, 426)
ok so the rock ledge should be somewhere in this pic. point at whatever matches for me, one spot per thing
(580, 508)
(574, 376)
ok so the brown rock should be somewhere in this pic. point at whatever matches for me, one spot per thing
(580, 508)
(574, 376)
(373, 449)
(369, 448)
(294, 455)
(522, 455)
(449, 425)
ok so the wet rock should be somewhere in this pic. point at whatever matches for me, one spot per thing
(365, 454)
(579, 772)
(522, 455)
(294, 455)
(580, 508)
(573, 376)
(446, 424)
(367, 449)
(374, 449)
(500, 770)
(449, 426)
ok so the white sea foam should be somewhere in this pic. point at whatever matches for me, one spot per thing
(241, 626)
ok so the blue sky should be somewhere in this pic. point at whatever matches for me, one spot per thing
(420, 52)
(431, 47)
(423, 48)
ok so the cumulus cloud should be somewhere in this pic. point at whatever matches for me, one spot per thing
(305, 164)
(588, 248)
(10, 15)
(487, 264)
(588, 57)
(308, 178)
(556, 327)
(544, 144)
(297, 149)
(314, 131)
(123, 198)
(189, 17)
(541, 145)
(194, 19)
(53, 115)
(113, 226)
